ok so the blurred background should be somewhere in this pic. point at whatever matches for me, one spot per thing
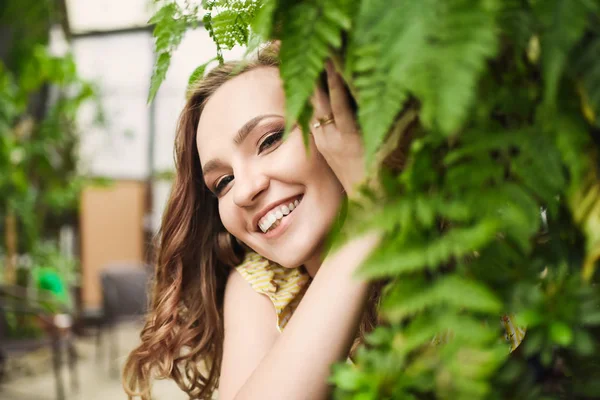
(85, 171)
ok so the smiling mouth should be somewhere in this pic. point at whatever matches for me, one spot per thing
(274, 217)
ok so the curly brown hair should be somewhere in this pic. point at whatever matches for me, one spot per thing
(183, 334)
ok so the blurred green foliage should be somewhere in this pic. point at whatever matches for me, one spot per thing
(41, 96)
(40, 156)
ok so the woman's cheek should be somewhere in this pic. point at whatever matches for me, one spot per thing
(228, 218)
(293, 155)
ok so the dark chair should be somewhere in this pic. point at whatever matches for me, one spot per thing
(14, 299)
(124, 298)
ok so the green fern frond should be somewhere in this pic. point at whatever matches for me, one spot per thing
(420, 331)
(463, 177)
(310, 32)
(159, 74)
(528, 155)
(420, 211)
(542, 173)
(474, 144)
(198, 74)
(517, 24)
(262, 23)
(586, 69)
(563, 24)
(394, 260)
(230, 28)
(381, 95)
(515, 210)
(170, 24)
(228, 22)
(470, 330)
(463, 40)
(436, 51)
(411, 296)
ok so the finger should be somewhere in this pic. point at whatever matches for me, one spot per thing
(340, 101)
(321, 105)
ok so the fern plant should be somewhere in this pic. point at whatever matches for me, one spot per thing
(497, 211)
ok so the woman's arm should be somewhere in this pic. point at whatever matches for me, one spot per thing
(319, 334)
(250, 332)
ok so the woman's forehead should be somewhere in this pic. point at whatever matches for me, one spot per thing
(244, 97)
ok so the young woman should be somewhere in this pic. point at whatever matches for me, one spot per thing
(242, 245)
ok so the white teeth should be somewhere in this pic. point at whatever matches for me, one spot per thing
(273, 218)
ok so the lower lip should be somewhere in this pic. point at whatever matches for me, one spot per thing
(283, 225)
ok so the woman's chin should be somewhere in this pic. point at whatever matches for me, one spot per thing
(298, 244)
(296, 256)
(284, 260)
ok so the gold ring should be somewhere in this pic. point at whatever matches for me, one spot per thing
(328, 119)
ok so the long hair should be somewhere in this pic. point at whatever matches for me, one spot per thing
(183, 335)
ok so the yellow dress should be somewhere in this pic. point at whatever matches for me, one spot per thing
(285, 287)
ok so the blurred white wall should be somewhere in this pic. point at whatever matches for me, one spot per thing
(121, 66)
(103, 15)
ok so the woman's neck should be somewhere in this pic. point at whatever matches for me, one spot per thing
(313, 264)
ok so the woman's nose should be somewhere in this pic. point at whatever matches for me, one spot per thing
(247, 188)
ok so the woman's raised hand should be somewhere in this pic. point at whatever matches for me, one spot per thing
(338, 140)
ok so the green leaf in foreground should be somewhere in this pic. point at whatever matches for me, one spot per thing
(198, 74)
(310, 31)
(170, 25)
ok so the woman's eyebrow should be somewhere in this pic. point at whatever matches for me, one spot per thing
(211, 166)
(245, 130)
(239, 138)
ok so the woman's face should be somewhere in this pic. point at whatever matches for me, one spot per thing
(272, 195)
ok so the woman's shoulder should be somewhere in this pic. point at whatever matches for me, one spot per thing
(285, 287)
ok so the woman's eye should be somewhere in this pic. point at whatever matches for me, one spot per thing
(222, 184)
(270, 141)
